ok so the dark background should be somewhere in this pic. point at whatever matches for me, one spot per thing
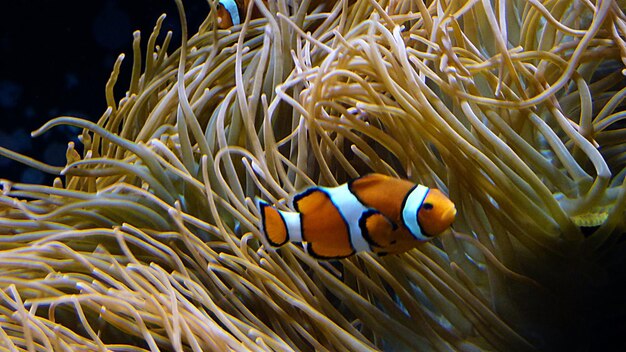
(55, 59)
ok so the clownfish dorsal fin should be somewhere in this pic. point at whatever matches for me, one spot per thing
(309, 199)
(370, 179)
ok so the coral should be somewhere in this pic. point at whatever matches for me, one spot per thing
(151, 241)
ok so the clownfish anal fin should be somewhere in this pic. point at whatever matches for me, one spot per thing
(273, 224)
(376, 228)
(318, 251)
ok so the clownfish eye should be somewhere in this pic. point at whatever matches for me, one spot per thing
(427, 206)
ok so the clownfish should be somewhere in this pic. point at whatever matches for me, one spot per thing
(375, 213)
(228, 14)
(233, 12)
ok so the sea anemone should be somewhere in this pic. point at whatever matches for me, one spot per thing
(513, 108)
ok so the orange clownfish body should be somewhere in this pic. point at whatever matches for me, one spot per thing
(375, 213)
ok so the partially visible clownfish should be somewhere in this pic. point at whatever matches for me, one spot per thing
(374, 213)
(231, 12)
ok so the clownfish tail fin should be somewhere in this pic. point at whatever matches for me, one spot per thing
(277, 226)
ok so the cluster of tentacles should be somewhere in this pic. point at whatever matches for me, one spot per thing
(148, 240)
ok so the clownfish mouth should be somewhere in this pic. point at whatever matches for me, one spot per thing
(449, 215)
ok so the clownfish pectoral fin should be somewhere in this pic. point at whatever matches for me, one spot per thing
(318, 251)
(376, 228)
(277, 226)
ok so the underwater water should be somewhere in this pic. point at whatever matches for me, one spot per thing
(56, 59)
